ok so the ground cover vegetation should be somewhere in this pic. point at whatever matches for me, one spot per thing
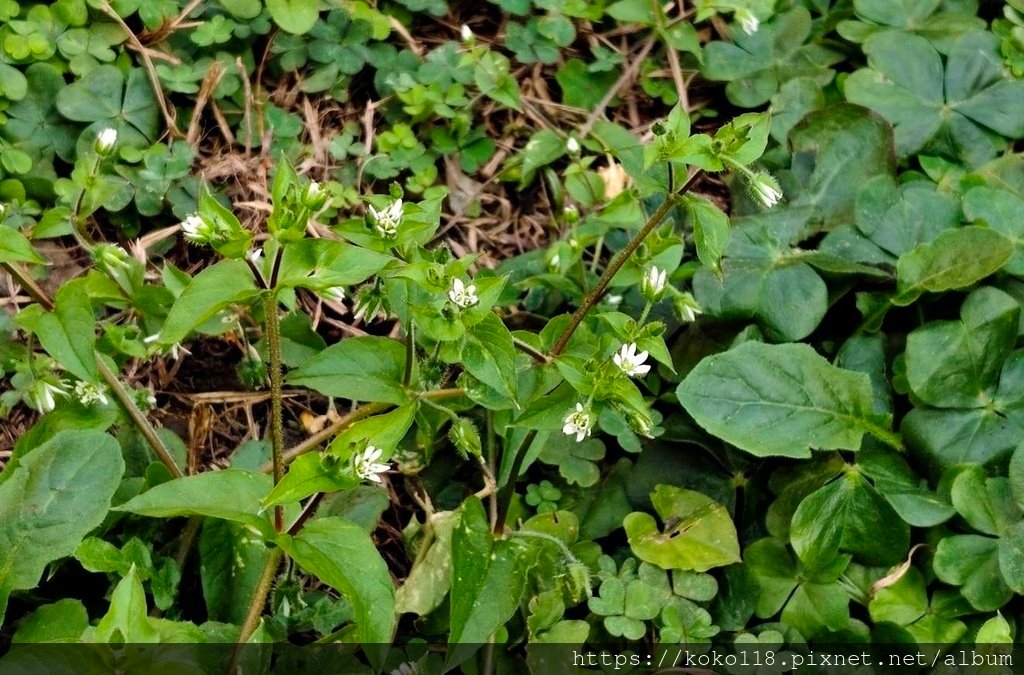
(505, 324)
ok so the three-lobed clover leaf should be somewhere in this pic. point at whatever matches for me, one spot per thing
(758, 64)
(962, 108)
(941, 23)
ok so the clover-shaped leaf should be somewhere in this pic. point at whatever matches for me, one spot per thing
(698, 532)
(757, 64)
(106, 97)
(576, 462)
(971, 382)
(961, 109)
(927, 18)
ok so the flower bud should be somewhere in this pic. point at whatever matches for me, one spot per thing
(105, 141)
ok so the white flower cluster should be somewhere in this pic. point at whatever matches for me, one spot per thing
(88, 393)
(198, 230)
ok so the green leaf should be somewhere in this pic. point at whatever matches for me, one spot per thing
(309, 474)
(490, 356)
(232, 494)
(343, 556)
(15, 247)
(848, 516)
(488, 580)
(699, 532)
(999, 210)
(294, 16)
(62, 621)
(956, 364)
(955, 259)
(971, 562)
(55, 495)
(361, 369)
(231, 560)
(127, 620)
(710, 229)
(68, 333)
(319, 264)
(781, 400)
(226, 283)
(431, 575)
(960, 113)
(840, 147)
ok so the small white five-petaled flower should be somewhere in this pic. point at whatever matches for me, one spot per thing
(631, 363)
(572, 146)
(106, 140)
(466, 33)
(765, 189)
(88, 393)
(748, 22)
(578, 423)
(367, 466)
(463, 295)
(197, 230)
(388, 219)
(653, 283)
(407, 668)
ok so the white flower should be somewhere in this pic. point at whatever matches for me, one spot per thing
(765, 189)
(106, 140)
(387, 220)
(577, 423)
(334, 293)
(748, 22)
(466, 33)
(315, 198)
(175, 351)
(256, 257)
(197, 230)
(366, 465)
(688, 307)
(555, 263)
(407, 668)
(3, 210)
(463, 295)
(41, 395)
(572, 146)
(653, 283)
(88, 393)
(614, 300)
(629, 362)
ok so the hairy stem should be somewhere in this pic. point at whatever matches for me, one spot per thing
(259, 600)
(594, 296)
(127, 401)
(276, 423)
(525, 347)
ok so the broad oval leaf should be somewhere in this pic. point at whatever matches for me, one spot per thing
(955, 259)
(232, 494)
(361, 369)
(226, 283)
(342, 555)
(55, 495)
(781, 400)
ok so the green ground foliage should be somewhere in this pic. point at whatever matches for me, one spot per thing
(514, 322)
